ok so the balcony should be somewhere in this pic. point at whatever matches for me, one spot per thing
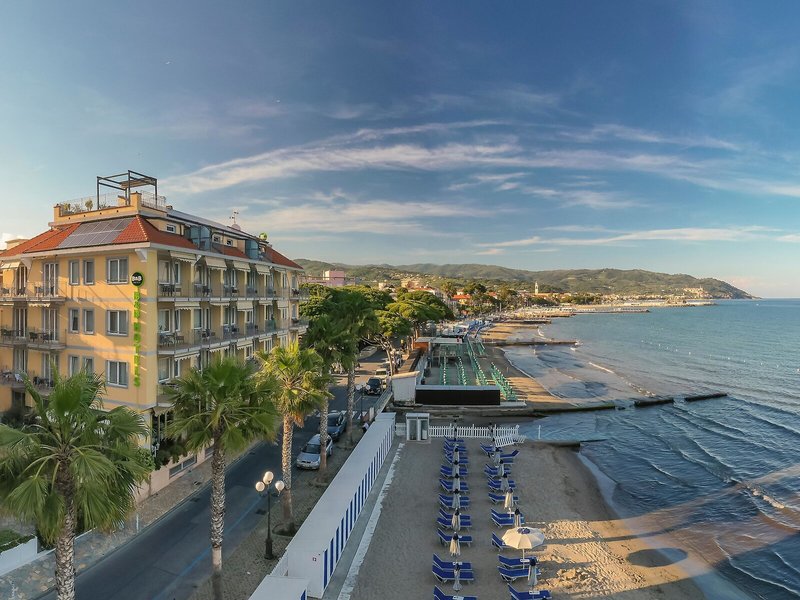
(173, 342)
(47, 339)
(45, 291)
(13, 379)
(270, 326)
(13, 336)
(298, 323)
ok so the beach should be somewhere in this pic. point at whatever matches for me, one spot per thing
(589, 552)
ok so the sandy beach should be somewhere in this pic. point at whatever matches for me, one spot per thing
(589, 553)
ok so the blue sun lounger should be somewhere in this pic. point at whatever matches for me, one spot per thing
(447, 501)
(448, 471)
(444, 538)
(498, 543)
(500, 498)
(462, 459)
(440, 595)
(513, 574)
(448, 564)
(445, 575)
(495, 486)
(526, 595)
(504, 519)
(447, 486)
(494, 472)
(466, 522)
(516, 562)
(510, 455)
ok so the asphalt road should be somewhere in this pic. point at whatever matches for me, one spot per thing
(169, 559)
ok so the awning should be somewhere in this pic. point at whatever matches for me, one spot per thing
(244, 305)
(183, 256)
(9, 264)
(240, 266)
(185, 305)
(263, 269)
(243, 344)
(215, 263)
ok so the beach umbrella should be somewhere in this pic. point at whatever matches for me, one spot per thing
(532, 573)
(504, 483)
(455, 546)
(455, 522)
(501, 470)
(457, 483)
(456, 454)
(496, 455)
(508, 502)
(523, 538)
(456, 500)
(457, 573)
(517, 518)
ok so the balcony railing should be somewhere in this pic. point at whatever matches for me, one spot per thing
(13, 336)
(170, 340)
(50, 339)
(296, 323)
(32, 291)
(270, 326)
(14, 379)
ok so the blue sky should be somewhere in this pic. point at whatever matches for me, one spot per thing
(655, 135)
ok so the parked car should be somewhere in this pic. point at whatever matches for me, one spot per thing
(336, 424)
(382, 374)
(309, 457)
(373, 387)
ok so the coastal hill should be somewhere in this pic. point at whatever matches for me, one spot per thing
(602, 281)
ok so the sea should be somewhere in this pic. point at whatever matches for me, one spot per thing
(721, 477)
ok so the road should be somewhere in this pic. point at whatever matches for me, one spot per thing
(171, 558)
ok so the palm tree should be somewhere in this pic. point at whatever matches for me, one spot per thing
(326, 335)
(225, 407)
(302, 388)
(77, 466)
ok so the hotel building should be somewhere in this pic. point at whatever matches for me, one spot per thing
(126, 286)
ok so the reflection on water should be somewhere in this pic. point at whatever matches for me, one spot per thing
(720, 475)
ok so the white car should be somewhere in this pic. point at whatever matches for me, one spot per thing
(309, 457)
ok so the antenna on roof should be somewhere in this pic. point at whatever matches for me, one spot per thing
(233, 216)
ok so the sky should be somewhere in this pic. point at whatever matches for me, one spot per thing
(536, 135)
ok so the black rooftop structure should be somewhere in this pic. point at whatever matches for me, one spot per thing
(125, 181)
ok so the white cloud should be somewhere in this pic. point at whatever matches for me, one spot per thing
(685, 234)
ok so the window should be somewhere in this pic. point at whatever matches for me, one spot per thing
(88, 272)
(117, 322)
(74, 320)
(197, 318)
(163, 271)
(74, 272)
(217, 239)
(229, 242)
(163, 369)
(117, 270)
(88, 321)
(74, 365)
(88, 364)
(117, 373)
(171, 229)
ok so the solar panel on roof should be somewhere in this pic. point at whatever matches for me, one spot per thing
(96, 233)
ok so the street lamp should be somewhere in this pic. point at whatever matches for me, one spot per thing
(260, 487)
(360, 390)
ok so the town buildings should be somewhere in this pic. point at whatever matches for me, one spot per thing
(126, 286)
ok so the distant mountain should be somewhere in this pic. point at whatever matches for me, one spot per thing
(605, 281)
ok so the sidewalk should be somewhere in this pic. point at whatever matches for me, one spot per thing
(32, 580)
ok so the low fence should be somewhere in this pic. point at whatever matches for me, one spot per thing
(316, 548)
(485, 432)
(18, 556)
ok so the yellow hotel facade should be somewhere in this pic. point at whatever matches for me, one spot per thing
(128, 287)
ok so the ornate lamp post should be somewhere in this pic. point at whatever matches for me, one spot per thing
(261, 486)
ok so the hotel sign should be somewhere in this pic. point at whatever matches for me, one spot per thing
(137, 279)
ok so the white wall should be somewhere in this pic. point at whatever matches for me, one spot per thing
(18, 556)
(318, 545)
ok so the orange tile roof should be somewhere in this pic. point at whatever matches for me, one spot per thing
(141, 230)
(231, 251)
(279, 259)
(48, 240)
(138, 231)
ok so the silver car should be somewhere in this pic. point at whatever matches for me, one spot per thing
(309, 455)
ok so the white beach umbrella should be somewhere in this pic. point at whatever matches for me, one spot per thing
(457, 483)
(457, 573)
(523, 538)
(496, 455)
(455, 546)
(504, 483)
(456, 500)
(532, 573)
(508, 501)
(501, 470)
(456, 454)
(455, 522)
(517, 518)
